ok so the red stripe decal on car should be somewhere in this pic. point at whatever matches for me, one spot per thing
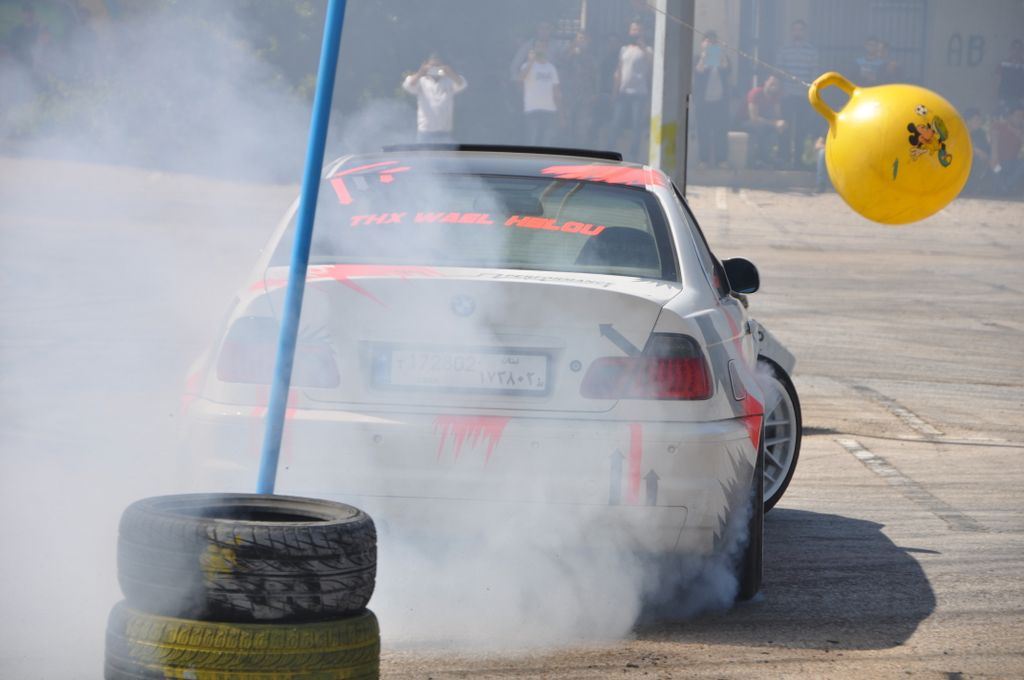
(193, 389)
(338, 184)
(471, 430)
(610, 174)
(343, 273)
(362, 168)
(753, 410)
(385, 172)
(753, 424)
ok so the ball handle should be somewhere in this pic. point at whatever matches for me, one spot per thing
(820, 83)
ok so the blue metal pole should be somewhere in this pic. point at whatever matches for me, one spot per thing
(274, 427)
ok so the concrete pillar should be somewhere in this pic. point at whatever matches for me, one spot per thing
(670, 88)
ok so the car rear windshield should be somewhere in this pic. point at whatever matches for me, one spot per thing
(508, 222)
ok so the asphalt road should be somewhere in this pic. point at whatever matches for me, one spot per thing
(112, 280)
(898, 550)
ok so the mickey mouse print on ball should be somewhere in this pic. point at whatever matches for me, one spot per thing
(895, 153)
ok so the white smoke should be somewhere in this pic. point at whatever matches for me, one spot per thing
(766, 376)
(685, 586)
(115, 279)
(534, 582)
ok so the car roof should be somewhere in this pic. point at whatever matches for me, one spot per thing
(571, 164)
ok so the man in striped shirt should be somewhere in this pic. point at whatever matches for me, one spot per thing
(799, 58)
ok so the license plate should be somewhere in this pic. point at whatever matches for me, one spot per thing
(516, 372)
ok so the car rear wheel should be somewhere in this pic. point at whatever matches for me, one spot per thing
(783, 430)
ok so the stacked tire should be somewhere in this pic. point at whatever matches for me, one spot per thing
(244, 587)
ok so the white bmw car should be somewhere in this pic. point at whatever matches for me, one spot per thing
(515, 326)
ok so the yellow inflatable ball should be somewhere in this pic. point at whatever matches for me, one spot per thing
(895, 153)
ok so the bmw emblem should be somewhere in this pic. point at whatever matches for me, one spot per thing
(463, 305)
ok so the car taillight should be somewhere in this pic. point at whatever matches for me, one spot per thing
(671, 367)
(250, 349)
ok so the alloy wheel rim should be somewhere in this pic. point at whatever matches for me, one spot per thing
(779, 439)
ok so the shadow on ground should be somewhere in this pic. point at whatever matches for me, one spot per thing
(831, 582)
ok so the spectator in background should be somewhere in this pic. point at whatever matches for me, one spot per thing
(540, 42)
(1011, 77)
(541, 98)
(1006, 135)
(799, 58)
(712, 104)
(869, 66)
(632, 93)
(25, 36)
(609, 64)
(981, 170)
(764, 121)
(821, 179)
(892, 70)
(580, 85)
(435, 85)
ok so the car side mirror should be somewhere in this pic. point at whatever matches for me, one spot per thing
(742, 275)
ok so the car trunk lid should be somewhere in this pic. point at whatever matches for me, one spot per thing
(478, 339)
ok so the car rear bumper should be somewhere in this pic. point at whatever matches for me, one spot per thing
(662, 487)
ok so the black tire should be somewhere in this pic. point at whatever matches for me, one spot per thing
(751, 567)
(776, 489)
(143, 646)
(246, 558)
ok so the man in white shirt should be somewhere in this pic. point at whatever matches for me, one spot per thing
(541, 98)
(435, 86)
(633, 93)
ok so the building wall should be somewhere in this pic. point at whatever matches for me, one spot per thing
(965, 43)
